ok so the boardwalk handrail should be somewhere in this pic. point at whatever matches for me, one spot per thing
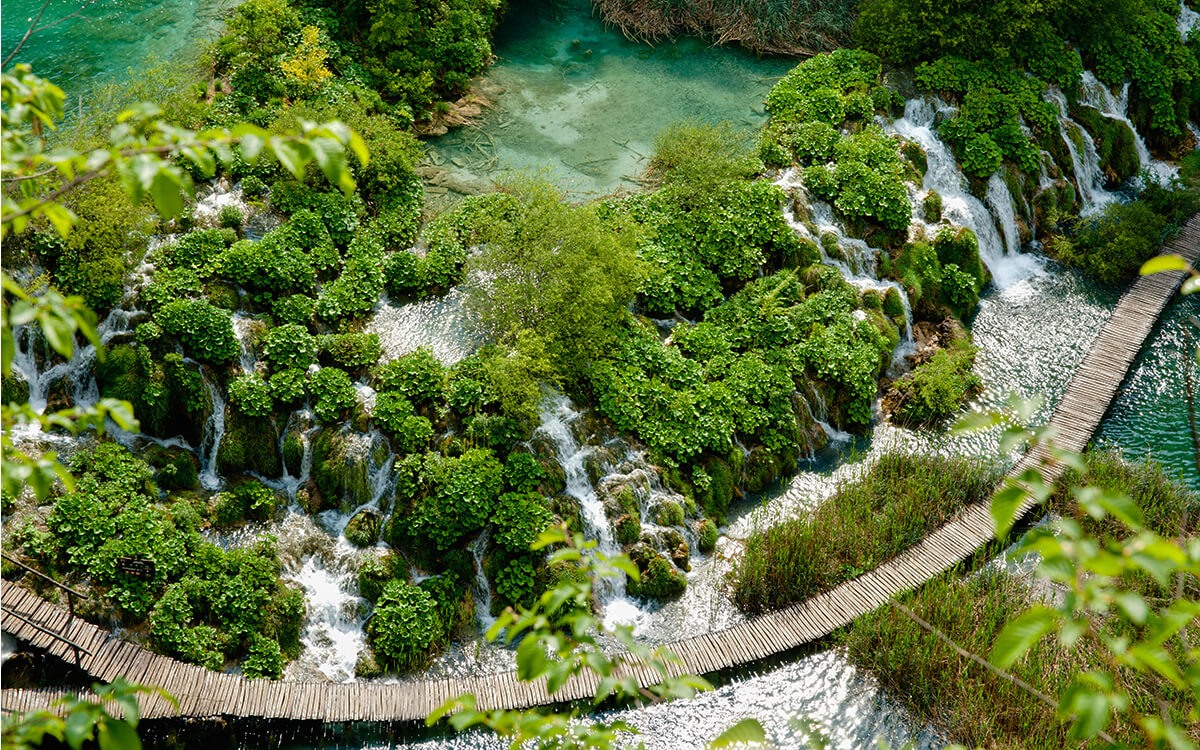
(71, 593)
(203, 693)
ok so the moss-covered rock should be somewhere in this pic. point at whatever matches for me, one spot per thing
(628, 528)
(175, 468)
(659, 578)
(566, 507)
(762, 468)
(374, 572)
(1114, 141)
(367, 667)
(668, 513)
(706, 536)
(932, 206)
(249, 444)
(363, 528)
(341, 468)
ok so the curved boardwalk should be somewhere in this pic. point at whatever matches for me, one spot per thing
(202, 693)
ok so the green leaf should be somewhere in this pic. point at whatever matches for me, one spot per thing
(78, 728)
(290, 156)
(1004, 508)
(745, 732)
(974, 421)
(531, 659)
(166, 191)
(1190, 286)
(1160, 263)
(1020, 634)
(1133, 604)
(118, 735)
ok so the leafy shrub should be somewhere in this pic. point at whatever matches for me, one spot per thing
(168, 285)
(523, 472)
(296, 309)
(231, 217)
(290, 346)
(263, 658)
(404, 625)
(287, 386)
(519, 519)
(419, 376)
(355, 292)
(410, 433)
(268, 267)
(251, 395)
(935, 389)
(1112, 245)
(351, 350)
(195, 250)
(205, 332)
(334, 393)
(516, 582)
(461, 496)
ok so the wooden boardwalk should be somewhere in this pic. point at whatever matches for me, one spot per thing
(203, 693)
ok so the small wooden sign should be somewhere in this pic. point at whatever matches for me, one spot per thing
(138, 567)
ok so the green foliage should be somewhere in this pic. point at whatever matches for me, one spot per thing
(354, 293)
(523, 473)
(461, 495)
(515, 581)
(695, 155)
(374, 573)
(935, 389)
(410, 433)
(1113, 244)
(520, 518)
(807, 108)
(351, 350)
(268, 267)
(168, 285)
(205, 332)
(263, 658)
(287, 386)
(404, 626)
(290, 346)
(296, 309)
(334, 393)
(250, 500)
(418, 376)
(167, 394)
(867, 522)
(706, 537)
(196, 250)
(555, 269)
(250, 395)
(363, 528)
(658, 577)
(72, 722)
(249, 444)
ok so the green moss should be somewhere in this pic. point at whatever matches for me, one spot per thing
(249, 444)
(1114, 140)
(339, 471)
(363, 528)
(932, 205)
(669, 513)
(706, 536)
(659, 578)
(628, 528)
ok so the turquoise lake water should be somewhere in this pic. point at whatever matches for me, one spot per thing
(109, 36)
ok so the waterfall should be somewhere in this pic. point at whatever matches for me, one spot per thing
(865, 255)
(332, 633)
(1093, 196)
(943, 174)
(1097, 95)
(1188, 20)
(214, 430)
(241, 330)
(483, 589)
(1001, 202)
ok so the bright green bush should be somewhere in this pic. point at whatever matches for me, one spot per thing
(205, 332)
(462, 495)
(409, 432)
(519, 519)
(168, 285)
(195, 250)
(404, 626)
(287, 386)
(523, 472)
(935, 390)
(334, 393)
(290, 346)
(250, 395)
(351, 350)
(296, 309)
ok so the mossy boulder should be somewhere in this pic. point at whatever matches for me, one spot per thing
(628, 528)
(175, 468)
(250, 444)
(374, 572)
(566, 507)
(668, 513)
(706, 536)
(659, 578)
(1114, 141)
(932, 206)
(340, 469)
(363, 528)
(762, 468)
(367, 667)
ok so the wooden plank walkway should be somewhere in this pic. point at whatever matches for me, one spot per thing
(202, 693)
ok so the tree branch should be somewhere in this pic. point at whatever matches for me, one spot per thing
(28, 31)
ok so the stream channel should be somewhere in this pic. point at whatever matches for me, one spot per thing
(584, 103)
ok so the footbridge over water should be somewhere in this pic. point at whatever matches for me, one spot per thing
(202, 693)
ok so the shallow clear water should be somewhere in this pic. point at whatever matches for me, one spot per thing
(586, 103)
(109, 36)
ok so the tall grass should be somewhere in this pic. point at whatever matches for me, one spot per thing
(975, 706)
(900, 500)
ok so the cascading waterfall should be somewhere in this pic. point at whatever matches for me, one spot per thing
(557, 416)
(483, 589)
(214, 430)
(1089, 178)
(332, 634)
(1098, 95)
(241, 331)
(1188, 20)
(1001, 202)
(864, 255)
(943, 174)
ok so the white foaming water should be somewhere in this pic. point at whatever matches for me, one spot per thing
(1097, 95)
(241, 330)
(959, 207)
(332, 633)
(1188, 20)
(218, 196)
(214, 430)
(1089, 178)
(439, 323)
(557, 415)
(483, 589)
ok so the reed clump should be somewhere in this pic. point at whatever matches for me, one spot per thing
(787, 27)
(978, 708)
(865, 523)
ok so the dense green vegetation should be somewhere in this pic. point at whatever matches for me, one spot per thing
(866, 522)
(202, 604)
(978, 708)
